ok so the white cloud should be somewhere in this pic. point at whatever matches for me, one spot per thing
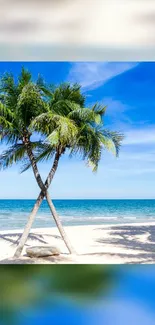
(133, 171)
(94, 74)
(140, 136)
(145, 156)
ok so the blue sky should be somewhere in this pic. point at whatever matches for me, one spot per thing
(128, 88)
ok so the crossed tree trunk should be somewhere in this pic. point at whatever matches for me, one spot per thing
(44, 193)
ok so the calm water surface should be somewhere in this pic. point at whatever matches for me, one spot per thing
(14, 213)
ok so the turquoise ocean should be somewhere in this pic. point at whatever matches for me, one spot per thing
(14, 213)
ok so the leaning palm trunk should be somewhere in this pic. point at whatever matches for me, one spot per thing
(59, 224)
(43, 193)
(28, 226)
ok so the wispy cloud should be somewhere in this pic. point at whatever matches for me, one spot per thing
(145, 156)
(140, 136)
(117, 111)
(94, 74)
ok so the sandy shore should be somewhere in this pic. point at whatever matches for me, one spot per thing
(99, 244)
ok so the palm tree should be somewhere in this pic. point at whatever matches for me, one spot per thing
(20, 103)
(67, 126)
(89, 138)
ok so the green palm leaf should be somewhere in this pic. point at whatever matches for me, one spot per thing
(24, 79)
(111, 141)
(42, 152)
(14, 154)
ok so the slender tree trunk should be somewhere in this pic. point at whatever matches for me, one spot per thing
(44, 188)
(40, 198)
(28, 226)
(59, 225)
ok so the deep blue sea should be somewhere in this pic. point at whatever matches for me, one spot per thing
(14, 213)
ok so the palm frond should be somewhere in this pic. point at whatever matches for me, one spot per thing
(23, 79)
(65, 131)
(46, 89)
(43, 123)
(5, 124)
(69, 92)
(57, 128)
(63, 107)
(8, 90)
(53, 138)
(14, 154)
(43, 152)
(111, 140)
(30, 103)
(5, 111)
(99, 109)
(80, 114)
(88, 145)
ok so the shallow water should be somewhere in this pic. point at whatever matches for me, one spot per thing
(14, 213)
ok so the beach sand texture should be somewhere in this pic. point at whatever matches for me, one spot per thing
(94, 244)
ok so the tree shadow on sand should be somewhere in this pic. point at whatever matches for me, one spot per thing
(127, 239)
(40, 238)
(14, 240)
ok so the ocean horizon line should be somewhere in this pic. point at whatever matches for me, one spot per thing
(84, 199)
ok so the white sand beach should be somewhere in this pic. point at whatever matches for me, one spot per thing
(94, 244)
